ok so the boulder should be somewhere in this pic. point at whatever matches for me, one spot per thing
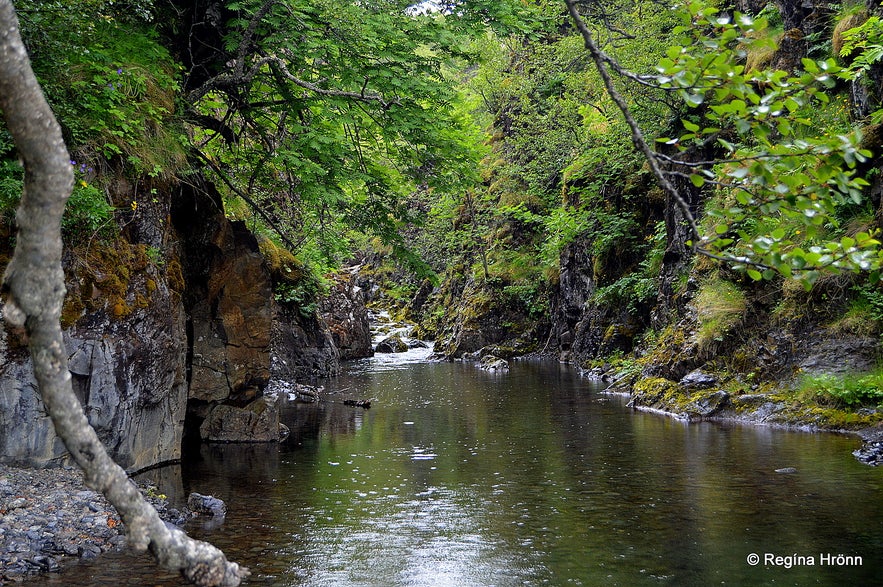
(391, 344)
(207, 505)
(493, 364)
(709, 405)
(256, 422)
(698, 380)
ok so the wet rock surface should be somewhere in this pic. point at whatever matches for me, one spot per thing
(871, 453)
(48, 518)
(392, 344)
(346, 315)
(493, 364)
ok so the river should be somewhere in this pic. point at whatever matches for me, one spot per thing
(458, 477)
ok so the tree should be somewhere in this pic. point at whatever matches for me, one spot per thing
(34, 288)
(778, 180)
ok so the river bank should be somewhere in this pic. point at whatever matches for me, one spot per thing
(700, 397)
(49, 519)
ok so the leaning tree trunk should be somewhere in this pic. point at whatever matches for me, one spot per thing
(34, 284)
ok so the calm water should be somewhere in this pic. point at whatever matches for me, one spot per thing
(456, 477)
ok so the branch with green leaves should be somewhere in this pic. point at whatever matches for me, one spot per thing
(783, 185)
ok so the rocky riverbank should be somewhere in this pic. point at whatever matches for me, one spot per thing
(49, 518)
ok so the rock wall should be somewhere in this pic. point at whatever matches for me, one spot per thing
(172, 326)
(302, 346)
(345, 314)
(125, 334)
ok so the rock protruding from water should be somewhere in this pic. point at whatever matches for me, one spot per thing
(392, 344)
(871, 453)
(493, 364)
(207, 505)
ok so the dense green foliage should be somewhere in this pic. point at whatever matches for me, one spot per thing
(475, 140)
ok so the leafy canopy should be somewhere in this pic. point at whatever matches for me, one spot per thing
(783, 182)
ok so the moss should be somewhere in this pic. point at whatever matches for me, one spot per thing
(116, 277)
(668, 343)
(119, 308)
(655, 391)
(112, 285)
(175, 276)
(283, 265)
(141, 301)
(72, 309)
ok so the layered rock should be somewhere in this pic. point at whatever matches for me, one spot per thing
(125, 335)
(169, 324)
(302, 347)
(345, 314)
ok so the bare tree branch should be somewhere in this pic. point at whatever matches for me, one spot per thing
(34, 284)
(601, 63)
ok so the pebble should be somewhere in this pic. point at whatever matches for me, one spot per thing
(871, 453)
(48, 518)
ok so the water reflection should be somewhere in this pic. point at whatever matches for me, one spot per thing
(530, 478)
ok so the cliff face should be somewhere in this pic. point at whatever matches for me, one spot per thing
(172, 327)
(125, 334)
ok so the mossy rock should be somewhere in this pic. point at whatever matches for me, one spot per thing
(850, 21)
(653, 391)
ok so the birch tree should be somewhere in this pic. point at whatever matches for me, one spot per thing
(34, 292)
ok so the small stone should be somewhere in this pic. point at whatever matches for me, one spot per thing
(17, 503)
(698, 380)
(206, 504)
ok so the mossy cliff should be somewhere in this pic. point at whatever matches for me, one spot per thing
(627, 298)
(175, 324)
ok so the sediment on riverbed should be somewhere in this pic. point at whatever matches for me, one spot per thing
(49, 519)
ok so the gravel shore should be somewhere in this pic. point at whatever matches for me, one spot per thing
(48, 518)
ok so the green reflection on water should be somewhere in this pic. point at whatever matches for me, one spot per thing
(458, 477)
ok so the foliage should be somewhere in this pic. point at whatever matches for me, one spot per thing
(866, 43)
(777, 168)
(325, 116)
(850, 390)
(302, 293)
(87, 211)
(528, 297)
(634, 291)
(109, 79)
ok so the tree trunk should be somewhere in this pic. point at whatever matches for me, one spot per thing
(34, 287)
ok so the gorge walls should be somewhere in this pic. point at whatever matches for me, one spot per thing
(173, 327)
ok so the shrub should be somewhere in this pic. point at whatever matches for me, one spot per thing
(849, 390)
